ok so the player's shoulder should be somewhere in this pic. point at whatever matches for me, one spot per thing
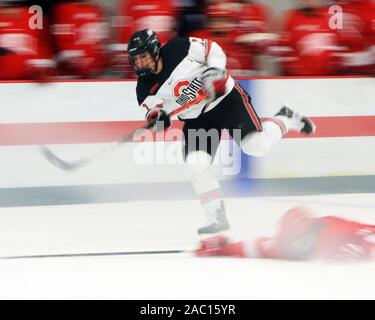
(174, 51)
(177, 44)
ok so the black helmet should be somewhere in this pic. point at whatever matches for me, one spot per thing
(140, 42)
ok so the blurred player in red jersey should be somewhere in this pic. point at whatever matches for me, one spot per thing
(232, 26)
(29, 56)
(358, 35)
(135, 15)
(81, 36)
(254, 28)
(308, 45)
(301, 236)
(222, 27)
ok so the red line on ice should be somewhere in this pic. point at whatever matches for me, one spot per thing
(110, 131)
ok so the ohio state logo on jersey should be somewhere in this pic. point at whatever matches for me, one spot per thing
(186, 90)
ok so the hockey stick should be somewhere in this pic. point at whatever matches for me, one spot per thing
(72, 165)
(94, 254)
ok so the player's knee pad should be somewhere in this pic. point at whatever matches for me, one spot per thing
(256, 144)
(198, 162)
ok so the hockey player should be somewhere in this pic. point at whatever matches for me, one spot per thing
(240, 29)
(133, 15)
(358, 36)
(301, 236)
(308, 45)
(138, 15)
(223, 28)
(254, 30)
(188, 78)
(81, 35)
(28, 53)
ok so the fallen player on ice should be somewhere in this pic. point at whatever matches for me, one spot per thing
(301, 236)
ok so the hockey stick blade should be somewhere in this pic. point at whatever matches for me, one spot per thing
(66, 165)
(58, 162)
(95, 254)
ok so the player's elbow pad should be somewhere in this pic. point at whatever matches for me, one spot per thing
(214, 81)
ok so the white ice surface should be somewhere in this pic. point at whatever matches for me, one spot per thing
(167, 226)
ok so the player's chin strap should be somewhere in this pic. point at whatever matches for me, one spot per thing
(73, 165)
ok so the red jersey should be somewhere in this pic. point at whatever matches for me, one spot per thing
(329, 238)
(310, 44)
(81, 34)
(358, 35)
(29, 48)
(229, 24)
(240, 61)
(253, 18)
(157, 15)
(254, 31)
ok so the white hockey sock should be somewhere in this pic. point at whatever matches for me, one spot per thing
(287, 124)
(205, 184)
(257, 144)
(275, 129)
(211, 202)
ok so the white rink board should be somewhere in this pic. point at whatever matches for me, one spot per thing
(24, 166)
(116, 100)
(69, 102)
(24, 103)
(317, 97)
(317, 157)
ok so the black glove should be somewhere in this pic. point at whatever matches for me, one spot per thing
(5, 52)
(158, 119)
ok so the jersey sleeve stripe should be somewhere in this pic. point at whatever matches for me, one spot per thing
(208, 45)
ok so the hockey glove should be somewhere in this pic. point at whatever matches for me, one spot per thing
(213, 82)
(212, 246)
(157, 119)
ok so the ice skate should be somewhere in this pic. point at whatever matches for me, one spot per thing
(217, 222)
(298, 122)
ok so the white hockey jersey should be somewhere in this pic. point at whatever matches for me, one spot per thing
(178, 84)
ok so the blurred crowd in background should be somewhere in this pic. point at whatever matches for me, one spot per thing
(86, 39)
